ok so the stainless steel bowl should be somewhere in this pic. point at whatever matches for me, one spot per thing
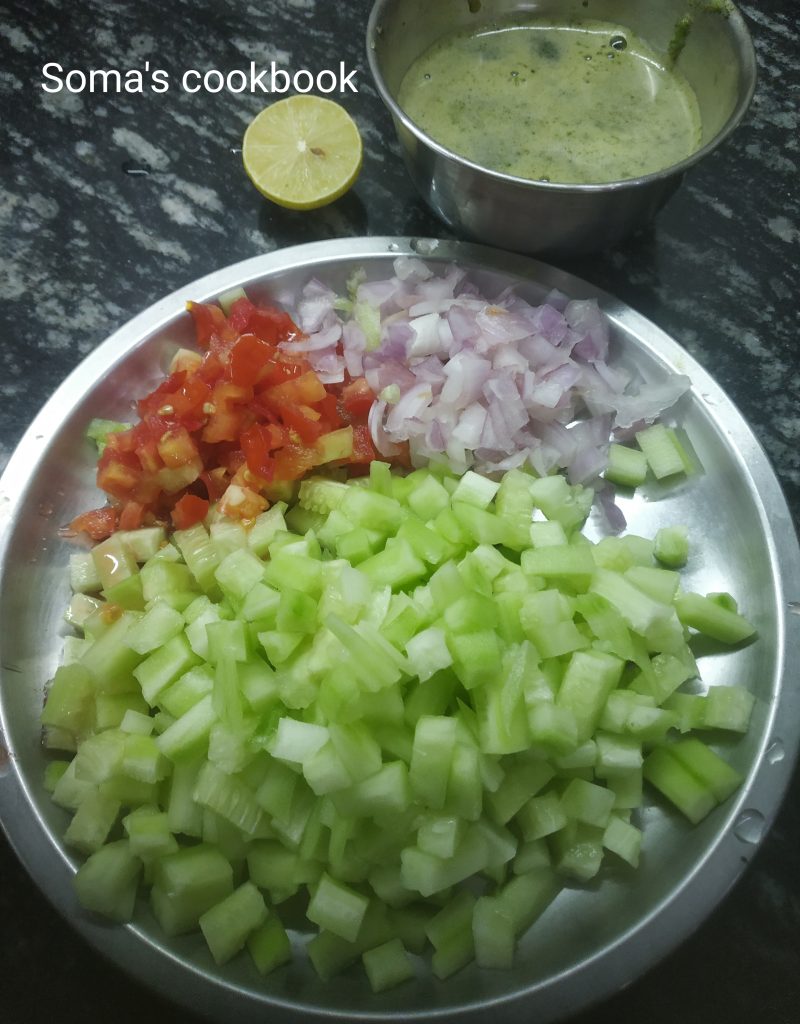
(717, 59)
(591, 941)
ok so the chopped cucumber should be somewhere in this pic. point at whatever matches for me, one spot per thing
(410, 685)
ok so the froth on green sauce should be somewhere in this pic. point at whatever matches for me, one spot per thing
(577, 103)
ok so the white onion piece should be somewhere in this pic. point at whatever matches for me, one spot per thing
(587, 465)
(555, 385)
(541, 354)
(462, 321)
(466, 374)
(330, 367)
(379, 436)
(470, 425)
(499, 327)
(322, 339)
(431, 370)
(315, 305)
(649, 406)
(354, 345)
(411, 404)
(436, 436)
(501, 393)
(395, 341)
(430, 306)
(614, 377)
(507, 357)
(488, 466)
(377, 293)
(591, 327)
(425, 340)
(406, 267)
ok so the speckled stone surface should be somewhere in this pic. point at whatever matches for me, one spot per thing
(109, 202)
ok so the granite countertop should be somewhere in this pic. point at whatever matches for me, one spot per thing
(109, 202)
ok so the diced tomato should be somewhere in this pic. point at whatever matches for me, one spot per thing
(99, 523)
(258, 441)
(357, 399)
(161, 396)
(116, 476)
(132, 516)
(228, 416)
(124, 441)
(233, 461)
(363, 449)
(329, 409)
(212, 370)
(281, 369)
(148, 456)
(304, 421)
(304, 390)
(242, 502)
(249, 357)
(215, 482)
(240, 315)
(181, 397)
(272, 325)
(185, 359)
(152, 428)
(208, 320)
(177, 448)
(226, 394)
(223, 426)
(241, 422)
(293, 461)
(188, 511)
(188, 403)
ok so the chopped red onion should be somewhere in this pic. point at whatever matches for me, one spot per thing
(491, 384)
(378, 293)
(466, 374)
(407, 268)
(556, 384)
(411, 404)
(431, 370)
(470, 425)
(435, 436)
(614, 515)
(322, 339)
(396, 339)
(425, 340)
(591, 327)
(647, 407)
(587, 465)
(315, 306)
(354, 344)
(463, 326)
(379, 436)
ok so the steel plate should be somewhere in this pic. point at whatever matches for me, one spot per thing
(592, 940)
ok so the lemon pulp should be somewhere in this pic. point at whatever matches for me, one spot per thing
(302, 152)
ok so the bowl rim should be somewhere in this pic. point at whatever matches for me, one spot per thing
(748, 69)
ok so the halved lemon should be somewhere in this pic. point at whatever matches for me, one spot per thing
(302, 152)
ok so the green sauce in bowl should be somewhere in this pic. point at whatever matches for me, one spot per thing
(576, 103)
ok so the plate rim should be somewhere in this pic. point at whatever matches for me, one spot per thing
(592, 979)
